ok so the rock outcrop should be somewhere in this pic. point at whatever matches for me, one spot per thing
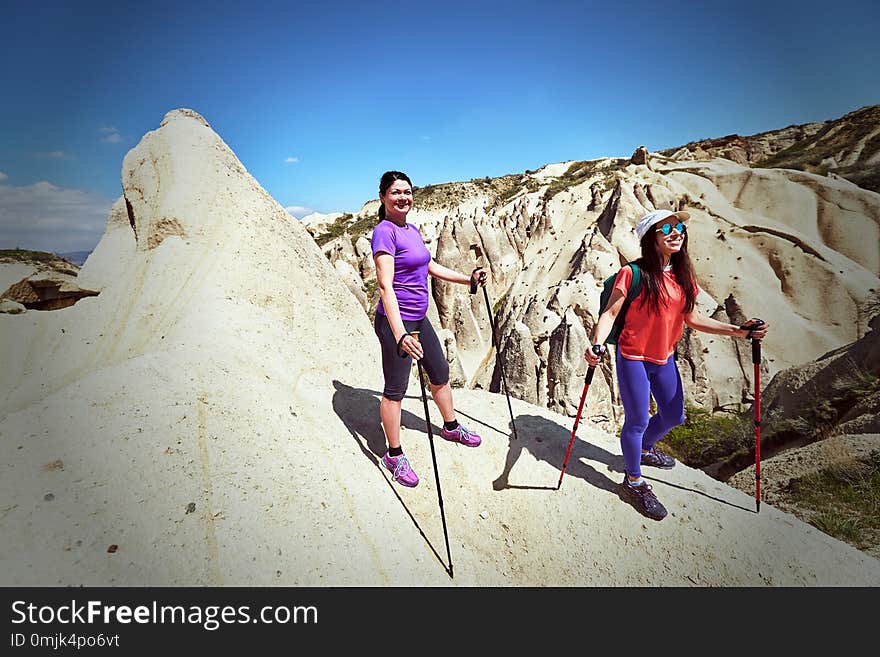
(838, 393)
(213, 416)
(762, 241)
(38, 281)
(47, 291)
(843, 148)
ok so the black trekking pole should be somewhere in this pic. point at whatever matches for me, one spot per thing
(497, 348)
(599, 350)
(756, 361)
(415, 334)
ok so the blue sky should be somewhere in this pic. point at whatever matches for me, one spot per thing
(318, 99)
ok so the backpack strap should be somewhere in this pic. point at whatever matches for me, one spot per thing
(635, 285)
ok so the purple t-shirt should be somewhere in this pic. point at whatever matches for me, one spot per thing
(411, 258)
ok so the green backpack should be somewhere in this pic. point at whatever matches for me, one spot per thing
(634, 289)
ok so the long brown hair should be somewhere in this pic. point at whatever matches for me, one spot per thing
(651, 265)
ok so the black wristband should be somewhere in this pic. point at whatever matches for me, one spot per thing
(473, 283)
(400, 353)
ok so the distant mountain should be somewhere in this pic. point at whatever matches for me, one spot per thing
(848, 147)
(38, 261)
(76, 257)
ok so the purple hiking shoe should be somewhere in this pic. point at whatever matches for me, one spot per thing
(401, 469)
(461, 435)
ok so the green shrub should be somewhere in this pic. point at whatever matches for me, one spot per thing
(334, 230)
(371, 285)
(864, 384)
(608, 182)
(39, 259)
(31, 257)
(576, 173)
(707, 437)
(343, 225)
(846, 529)
(843, 499)
(362, 226)
(497, 305)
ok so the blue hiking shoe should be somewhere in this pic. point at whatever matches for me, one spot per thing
(658, 459)
(643, 499)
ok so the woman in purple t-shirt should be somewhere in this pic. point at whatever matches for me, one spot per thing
(403, 264)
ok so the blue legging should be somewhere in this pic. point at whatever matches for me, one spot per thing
(638, 381)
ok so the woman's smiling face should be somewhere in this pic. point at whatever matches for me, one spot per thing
(671, 243)
(398, 200)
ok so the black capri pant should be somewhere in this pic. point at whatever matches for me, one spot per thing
(396, 368)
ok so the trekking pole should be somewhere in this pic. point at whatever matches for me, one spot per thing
(497, 348)
(599, 350)
(415, 334)
(756, 361)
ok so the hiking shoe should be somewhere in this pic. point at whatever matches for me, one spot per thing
(461, 435)
(643, 498)
(657, 458)
(400, 468)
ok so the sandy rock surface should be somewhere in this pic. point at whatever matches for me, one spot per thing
(211, 418)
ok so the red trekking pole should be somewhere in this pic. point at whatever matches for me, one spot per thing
(598, 350)
(756, 361)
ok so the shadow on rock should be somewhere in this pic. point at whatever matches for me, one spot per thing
(548, 441)
(358, 408)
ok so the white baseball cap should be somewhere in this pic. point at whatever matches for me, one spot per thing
(655, 217)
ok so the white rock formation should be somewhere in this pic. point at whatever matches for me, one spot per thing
(211, 418)
(763, 243)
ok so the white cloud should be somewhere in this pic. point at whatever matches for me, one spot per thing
(425, 138)
(299, 211)
(292, 159)
(111, 135)
(3, 176)
(54, 155)
(45, 217)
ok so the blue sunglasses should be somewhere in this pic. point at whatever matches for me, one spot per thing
(667, 228)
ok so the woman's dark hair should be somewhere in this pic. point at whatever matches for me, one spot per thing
(385, 182)
(651, 264)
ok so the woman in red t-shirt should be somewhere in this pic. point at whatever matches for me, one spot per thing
(646, 346)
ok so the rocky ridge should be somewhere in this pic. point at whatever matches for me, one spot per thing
(210, 419)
